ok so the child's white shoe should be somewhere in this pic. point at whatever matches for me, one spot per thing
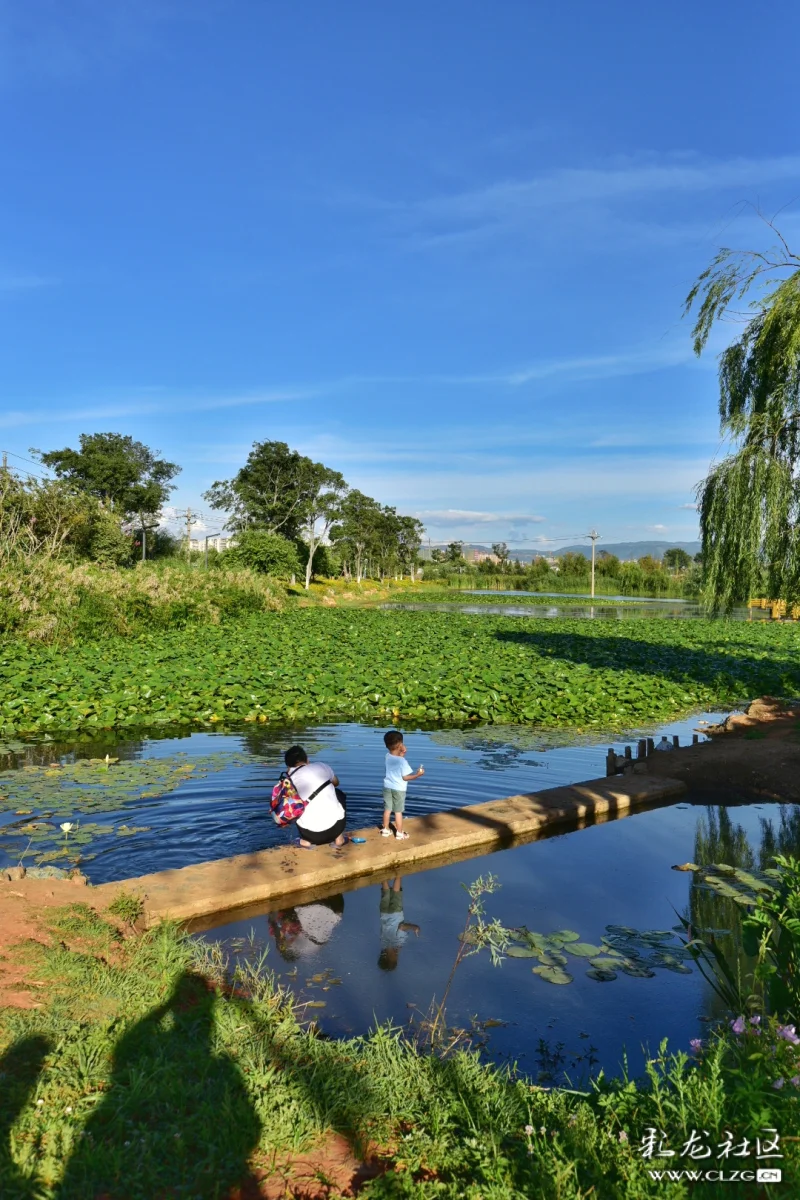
(402, 834)
(386, 832)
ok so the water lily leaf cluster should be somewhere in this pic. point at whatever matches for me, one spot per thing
(622, 949)
(734, 883)
(375, 665)
(41, 796)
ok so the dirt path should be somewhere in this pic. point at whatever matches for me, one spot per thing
(755, 755)
(22, 901)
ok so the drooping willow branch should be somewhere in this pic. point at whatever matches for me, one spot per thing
(750, 502)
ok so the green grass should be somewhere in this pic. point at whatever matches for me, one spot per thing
(141, 1079)
(395, 666)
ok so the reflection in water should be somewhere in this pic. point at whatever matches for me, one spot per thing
(394, 927)
(390, 952)
(593, 612)
(302, 931)
(721, 839)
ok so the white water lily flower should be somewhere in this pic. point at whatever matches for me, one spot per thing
(65, 828)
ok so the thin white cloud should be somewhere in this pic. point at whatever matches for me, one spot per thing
(25, 282)
(460, 516)
(144, 406)
(513, 203)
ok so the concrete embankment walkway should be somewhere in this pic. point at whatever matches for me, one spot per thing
(287, 873)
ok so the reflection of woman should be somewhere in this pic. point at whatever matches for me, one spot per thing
(302, 931)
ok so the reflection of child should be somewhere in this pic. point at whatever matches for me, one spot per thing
(396, 777)
(394, 930)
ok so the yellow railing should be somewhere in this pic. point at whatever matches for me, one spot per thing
(779, 610)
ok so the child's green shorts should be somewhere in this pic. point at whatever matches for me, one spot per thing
(394, 800)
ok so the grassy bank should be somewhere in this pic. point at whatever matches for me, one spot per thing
(387, 666)
(141, 1076)
(58, 603)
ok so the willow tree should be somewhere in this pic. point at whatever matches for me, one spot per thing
(750, 501)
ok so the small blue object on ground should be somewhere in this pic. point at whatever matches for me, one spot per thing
(358, 841)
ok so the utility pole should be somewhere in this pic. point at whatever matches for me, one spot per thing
(189, 516)
(594, 535)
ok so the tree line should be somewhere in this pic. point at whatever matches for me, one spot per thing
(677, 571)
(290, 515)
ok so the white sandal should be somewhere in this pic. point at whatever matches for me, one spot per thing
(386, 832)
(403, 834)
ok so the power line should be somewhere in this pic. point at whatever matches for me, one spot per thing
(20, 457)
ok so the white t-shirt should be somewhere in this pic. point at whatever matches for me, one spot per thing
(396, 768)
(324, 810)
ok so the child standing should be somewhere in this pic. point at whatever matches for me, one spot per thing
(396, 777)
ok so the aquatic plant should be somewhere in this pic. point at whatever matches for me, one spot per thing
(41, 794)
(383, 666)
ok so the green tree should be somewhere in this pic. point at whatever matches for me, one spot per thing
(42, 519)
(124, 475)
(676, 559)
(455, 553)
(607, 565)
(500, 551)
(573, 566)
(267, 552)
(750, 501)
(270, 491)
(356, 528)
(410, 531)
(324, 489)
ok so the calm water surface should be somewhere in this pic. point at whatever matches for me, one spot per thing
(225, 810)
(618, 873)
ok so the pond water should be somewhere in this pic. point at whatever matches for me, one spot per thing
(176, 799)
(333, 952)
(170, 801)
(597, 610)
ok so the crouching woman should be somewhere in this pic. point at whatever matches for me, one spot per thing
(322, 808)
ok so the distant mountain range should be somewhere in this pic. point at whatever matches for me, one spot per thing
(629, 550)
(623, 550)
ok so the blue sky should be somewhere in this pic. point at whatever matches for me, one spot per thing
(441, 246)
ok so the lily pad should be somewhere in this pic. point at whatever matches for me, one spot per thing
(602, 976)
(552, 958)
(604, 963)
(584, 949)
(553, 974)
(637, 970)
(521, 952)
(622, 930)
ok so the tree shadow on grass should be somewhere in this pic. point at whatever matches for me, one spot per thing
(732, 664)
(176, 1119)
(20, 1067)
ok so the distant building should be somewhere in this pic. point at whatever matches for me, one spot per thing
(217, 541)
(479, 556)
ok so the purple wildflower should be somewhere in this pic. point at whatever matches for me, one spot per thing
(755, 1020)
(795, 1081)
(778, 1084)
(788, 1033)
(738, 1025)
(696, 1045)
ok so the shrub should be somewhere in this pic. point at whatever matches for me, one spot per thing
(268, 553)
(50, 601)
